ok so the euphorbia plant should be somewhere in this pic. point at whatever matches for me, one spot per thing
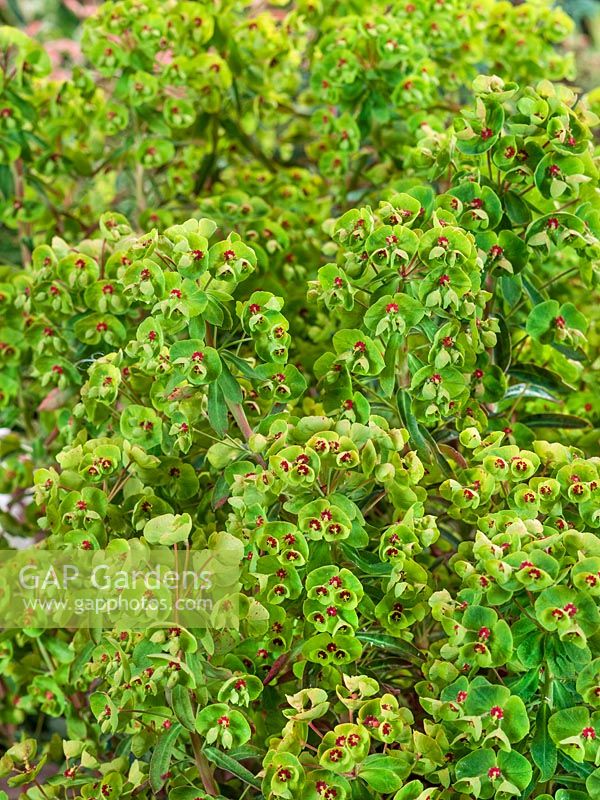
(337, 373)
(349, 582)
(208, 98)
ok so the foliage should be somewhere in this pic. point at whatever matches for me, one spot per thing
(345, 278)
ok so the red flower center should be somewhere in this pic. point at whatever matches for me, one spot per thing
(570, 609)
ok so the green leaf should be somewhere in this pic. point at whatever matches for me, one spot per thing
(502, 350)
(569, 352)
(568, 794)
(161, 756)
(104, 708)
(422, 440)
(6, 181)
(387, 379)
(573, 767)
(243, 366)
(517, 209)
(246, 751)
(550, 420)
(367, 561)
(541, 317)
(525, 390)
(510, 288)
(533, 294)
(217, 409)
(229, 385)
(187, 793)
(592, 784)
(83, 658)
(182, 706)
(168, 529)
(543, 749)
(226, 762)
(381, 773)
(391, 645)
(539, 376)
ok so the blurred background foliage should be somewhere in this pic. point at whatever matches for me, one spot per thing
(58, 24)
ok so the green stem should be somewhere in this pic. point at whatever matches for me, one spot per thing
(46, 656)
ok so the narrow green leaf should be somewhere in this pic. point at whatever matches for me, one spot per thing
(161, 756)
(387, 379)
(367, 561)
(543, 749)
(422, 440)
(182, 706)
(516, 208)
(534, 295)
(246, 751)
(511, 289)
(526, 685)
(573, 767)
(569, 352)
(551, 420)
(525, 390)
(229, 385)
(539, 376)
(502, 350)
(217, 409)
(7, 187)
(224, 761)
(391, 645)
(592, 784)
(82, 658)
(246, 370)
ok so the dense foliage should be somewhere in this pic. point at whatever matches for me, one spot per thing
(320, 280)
